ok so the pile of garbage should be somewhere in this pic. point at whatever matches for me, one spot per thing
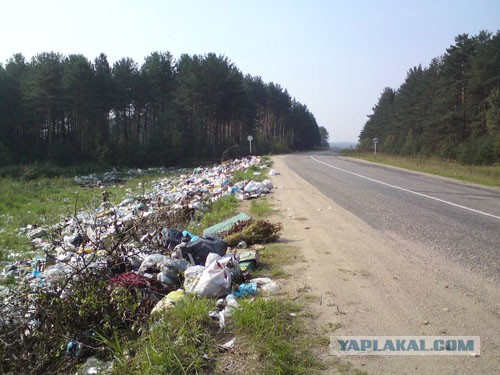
(173, 201)
(139, 250)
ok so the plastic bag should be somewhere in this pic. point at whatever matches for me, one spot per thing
(214, 280)
(212, 257)
(152, 261)
(192, 277)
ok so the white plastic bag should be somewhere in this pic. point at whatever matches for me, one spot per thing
(192, 277)
(212, 257)
(214, 280)
(152, 260)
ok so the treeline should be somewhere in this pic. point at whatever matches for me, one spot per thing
(450, 108)
(66, 109)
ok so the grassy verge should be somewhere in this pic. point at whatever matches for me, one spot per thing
(272, 259)
(183, 339)
(277, 334)
(261, 208)
(479, 174)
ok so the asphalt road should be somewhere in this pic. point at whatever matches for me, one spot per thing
(459, 220)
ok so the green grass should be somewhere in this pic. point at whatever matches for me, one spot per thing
(177, 343)
(277, 337)
(218, 211)
(184, 340)
(261, 208)
(248, 174)
(480, 174)
(272, 259)
(45, 201)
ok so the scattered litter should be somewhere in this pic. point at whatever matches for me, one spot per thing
(198, 250)
(246, 289)
(248, 260)
(266, 285)
(228, 345)
(95, 366)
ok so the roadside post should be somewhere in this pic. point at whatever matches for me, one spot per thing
(375, 141)
(250, 139)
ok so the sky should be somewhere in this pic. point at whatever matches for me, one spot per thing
(336, 57)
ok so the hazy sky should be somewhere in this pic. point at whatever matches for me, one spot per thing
(334, 56)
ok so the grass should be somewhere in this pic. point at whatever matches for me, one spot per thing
(276, 335)
(272, 259)
(182, 341)
(45, 201)
(249, 174)
(261, 208)
(488, 175)
(218, 211)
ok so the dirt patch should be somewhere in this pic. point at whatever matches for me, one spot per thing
(358, 281)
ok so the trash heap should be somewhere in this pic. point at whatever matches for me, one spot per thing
(138, 249)
(170, 201)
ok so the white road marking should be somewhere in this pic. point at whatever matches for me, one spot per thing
(407, 190)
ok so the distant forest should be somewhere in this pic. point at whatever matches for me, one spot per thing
(450, 108)
(66, 109)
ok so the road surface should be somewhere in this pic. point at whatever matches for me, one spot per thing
(452, 218)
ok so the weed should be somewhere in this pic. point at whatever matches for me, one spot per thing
(261, 231)
(114, 345)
